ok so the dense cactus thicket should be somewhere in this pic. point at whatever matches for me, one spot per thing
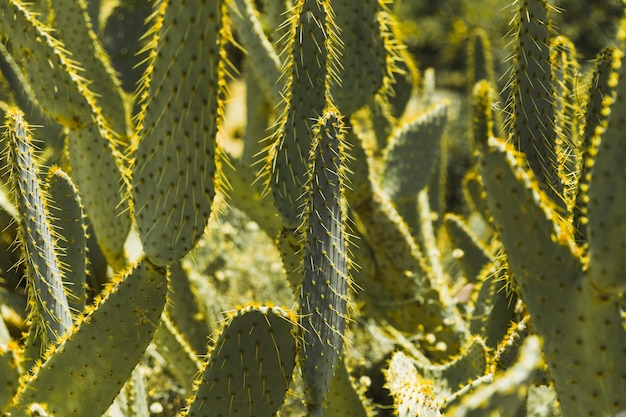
(239, 208)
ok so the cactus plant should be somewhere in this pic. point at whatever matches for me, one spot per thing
(312, 238)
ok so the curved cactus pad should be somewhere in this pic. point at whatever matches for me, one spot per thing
(88, 369)
(250, 367)
(50, 313)
(306, 96)
(68, 216)
(324, 293)
(412, 152)
(175, 161)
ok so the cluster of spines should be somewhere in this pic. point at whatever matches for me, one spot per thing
(566, 73)
(412, 394)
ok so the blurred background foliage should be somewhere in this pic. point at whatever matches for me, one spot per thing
(436, 32)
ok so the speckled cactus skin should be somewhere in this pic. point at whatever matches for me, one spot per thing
(398, 300)
(49, 309)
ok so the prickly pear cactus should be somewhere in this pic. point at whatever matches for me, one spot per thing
(250, 367)
(181, 112)
(325, 280)
(49, 309)
(434, 252)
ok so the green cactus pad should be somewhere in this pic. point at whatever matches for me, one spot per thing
(9, 373)
(364, 35)
(345, 398)
(325, 281)
(102, 184)
(122, 37)
(357, 171)
(482, 111)
(175, 163)
(310, 60)
(50, 313)
(84, 374)
(247, 195)
(412, 153)
(289, 243)
(73, 27)
(475, 195)
(480, 61)
(183, 308)
(406, 78)
(473, 256)
(403, 290)
(68, 218)
(531, 122)
(507, 351)
(525, 218)
(250, 367)
(184, 364)
(607, 193)
(267, 65)
(494, 306)
(584, 339)
(607, 68)
(382, 121)
(60, 90)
